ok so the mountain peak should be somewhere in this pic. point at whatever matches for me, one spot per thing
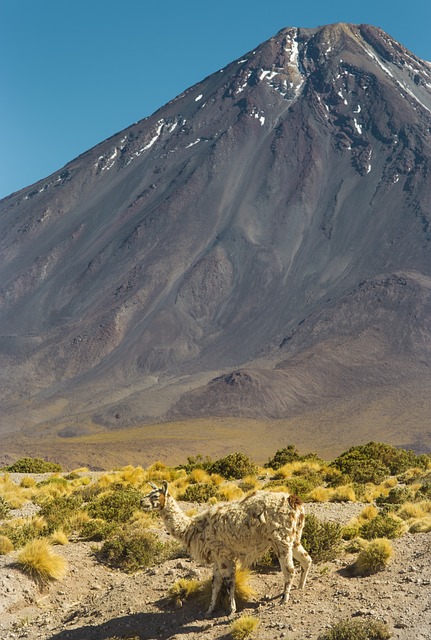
(241, 216)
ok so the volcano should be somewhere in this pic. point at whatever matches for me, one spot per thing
(258, 248)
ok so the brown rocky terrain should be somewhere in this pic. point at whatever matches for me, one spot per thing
(259, 248)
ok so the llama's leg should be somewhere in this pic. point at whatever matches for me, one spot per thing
(300, 554)
(285, 557)
(228, 574)
(217, 580)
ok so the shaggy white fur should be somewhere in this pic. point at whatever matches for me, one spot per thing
(242, 531)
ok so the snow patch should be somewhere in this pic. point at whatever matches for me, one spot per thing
(358, 126)
(199, 97)
(193, 143)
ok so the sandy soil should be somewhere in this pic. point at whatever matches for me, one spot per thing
(96, 603)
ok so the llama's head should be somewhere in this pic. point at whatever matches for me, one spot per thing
(156, 499)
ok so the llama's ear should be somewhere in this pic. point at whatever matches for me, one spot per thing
(165, 487)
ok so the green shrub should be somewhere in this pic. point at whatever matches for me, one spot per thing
(374, 461)
(234, 466)
(33, 465)
(424, 491)
(96, 529)
(382, 526)
(397, 495)
(196, 462)
(301, 486)
(199, 492)
(4, 508)
(57, 480)
(22, 534)
(282, 457)
(357, 630)
(117, 506)
(321, 539)
(131, 548)
(57, 512)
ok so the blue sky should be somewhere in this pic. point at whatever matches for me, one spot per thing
(74, 72)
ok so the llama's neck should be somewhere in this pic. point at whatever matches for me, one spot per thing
(175, 519)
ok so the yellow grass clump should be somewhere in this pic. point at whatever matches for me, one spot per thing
(243, 590)
(345, 493)
(38, 560)
(319, 494)
(374, 557)
(243, 627)
(6, 545)
(182, 590)
(414, 510)
(27, 482)
(78, 519)
(59, 537)
(131, 476)
(420, 525)
(368, 513)
(389, 483)
(199, 475)
(12, 493)
(159, 471)
(230, 492)
(217, 479)
(38, 522)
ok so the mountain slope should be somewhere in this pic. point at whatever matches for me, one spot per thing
(273, 221)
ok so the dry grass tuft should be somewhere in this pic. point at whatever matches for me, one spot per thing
(374, 557)
(243, 627)
(39, 561)
(421, 525)
(243, 590)
(59, 537)
(319, 494)
(6, 545)
(230, 492)
(182, 590)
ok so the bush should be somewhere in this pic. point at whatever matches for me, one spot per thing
(21, 534)
(382, 526)
(4, 508)
(40, 562)
(300, 486)
(357, 630)
(117, 506)
(322, 540)
(96, 529)
(197, 462)
(374, 557)
(131, 548)
(282, 457)
(57, 512)
(200, 492)
(374, 461)
(397, 495)
(34, 465)
(234, 466)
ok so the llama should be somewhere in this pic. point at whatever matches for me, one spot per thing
(242, 531)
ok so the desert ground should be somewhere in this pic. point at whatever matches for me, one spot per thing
(94, 602)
